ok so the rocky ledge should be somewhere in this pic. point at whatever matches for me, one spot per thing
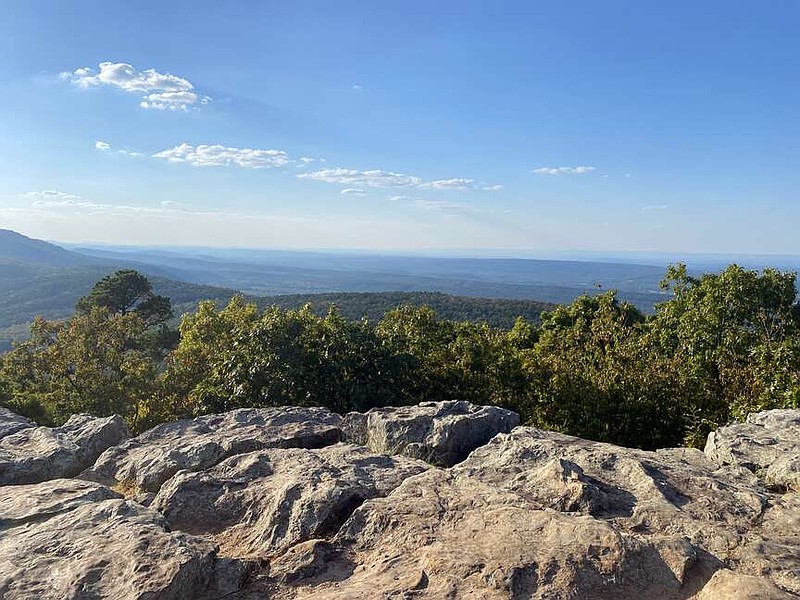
(440, 500)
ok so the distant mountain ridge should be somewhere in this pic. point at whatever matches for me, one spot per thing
(19, 248)
(40, 278)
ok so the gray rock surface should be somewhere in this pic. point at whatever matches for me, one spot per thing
(535, 514)
(262, 503)
(767, 443)
(11, 422)
(269, 504)
(442, 433)
(112, 549)
(144, 463)
(34, 454)
(72, 539)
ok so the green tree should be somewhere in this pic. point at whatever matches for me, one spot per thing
(85, 364)
(237, 357)
(593, 375)
(734, 338)
(128, 291)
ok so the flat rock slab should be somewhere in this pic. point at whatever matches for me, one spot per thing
(144, 463)
(441, 433)
(261, 503)
(767, 443)
(11, 422)
(34, 454)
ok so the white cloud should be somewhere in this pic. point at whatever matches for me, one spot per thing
(221, 156)
(459, 183)
(45, 198)
(353, 177)
(442, 205)
(493, 188)
(385, 179)
(353, 192)
(102, 145)
(357, 86)
(160, 91)
(563, 170)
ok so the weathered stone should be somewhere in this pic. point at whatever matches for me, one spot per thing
(34, 503)
(442, 433)
(767, 443)
(534, 514)
(35, 454)
(772, 547)
(11, 422)
(145, 462)
(727, 585)
(107, 549)
(263, 502)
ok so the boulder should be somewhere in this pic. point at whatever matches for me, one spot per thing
(11, 422)
(144, 463)
(34, 454)
(262, 503)
(441, 433)
(767, 443)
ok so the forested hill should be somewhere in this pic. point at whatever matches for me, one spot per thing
(373, 305)
(39, 278)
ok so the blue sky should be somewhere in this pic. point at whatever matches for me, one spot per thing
(520, 126)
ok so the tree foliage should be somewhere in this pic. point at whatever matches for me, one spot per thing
(724, 345)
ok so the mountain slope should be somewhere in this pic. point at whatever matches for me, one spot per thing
(19, 248)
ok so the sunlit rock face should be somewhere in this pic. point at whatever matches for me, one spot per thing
(439, 500)
(31, 454)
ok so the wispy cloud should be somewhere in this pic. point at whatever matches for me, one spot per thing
(353, 192)
(357, 86)
(106, 147)
(160, 91)
(442, 205)
(563, 170)
(217, 155)
(458, 183)
(49, 198)
(354, 177)
(387, 179)
(493, 188)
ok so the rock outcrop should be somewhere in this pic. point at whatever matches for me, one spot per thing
(441, 433)
(11, 422)
(297, 503)
(145, 462)
(767, 443)
(33, 454)
(262, 503)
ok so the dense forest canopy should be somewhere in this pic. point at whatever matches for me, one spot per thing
(725, 344)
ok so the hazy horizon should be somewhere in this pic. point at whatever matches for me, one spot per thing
(515, 127)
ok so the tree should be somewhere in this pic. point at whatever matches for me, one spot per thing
(127, 291)
(593, 375)
(734, 337)
(84, 364)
